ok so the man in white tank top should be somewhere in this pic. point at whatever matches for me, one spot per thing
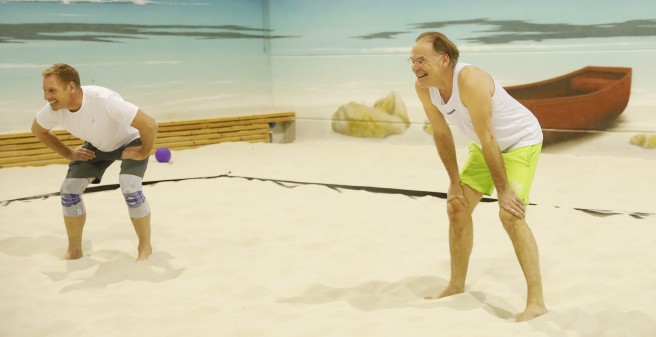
(506, 142)
(113, 129)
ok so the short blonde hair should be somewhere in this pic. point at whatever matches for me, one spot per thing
(64, 72)
(442, 45)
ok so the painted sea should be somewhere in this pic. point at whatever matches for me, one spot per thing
(194, 59)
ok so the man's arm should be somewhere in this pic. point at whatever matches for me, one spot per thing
(147, 127)
(51, 141)
(444, 143)
(476, 90)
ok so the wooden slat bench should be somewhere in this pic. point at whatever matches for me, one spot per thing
(24, 149)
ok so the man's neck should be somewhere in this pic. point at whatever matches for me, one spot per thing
(77, 101)
(446, 85)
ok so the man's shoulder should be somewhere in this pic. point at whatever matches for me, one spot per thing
(98, 91)
(468, 71)
(474, 78)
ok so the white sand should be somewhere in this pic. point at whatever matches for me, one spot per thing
(238, 257)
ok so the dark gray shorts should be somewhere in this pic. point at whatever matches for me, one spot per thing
(96, 168)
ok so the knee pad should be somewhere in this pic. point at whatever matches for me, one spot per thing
(131, 187)
(71, 195)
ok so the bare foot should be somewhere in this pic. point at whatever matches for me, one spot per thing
(144, 252)
(450, 290)
(532, 311)
(72, 254)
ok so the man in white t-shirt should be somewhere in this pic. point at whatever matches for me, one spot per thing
(506, 141)
(113, 129)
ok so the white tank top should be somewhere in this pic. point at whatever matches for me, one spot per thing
(512, 123)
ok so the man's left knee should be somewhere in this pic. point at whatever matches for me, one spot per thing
(131, 188)
(510, 221)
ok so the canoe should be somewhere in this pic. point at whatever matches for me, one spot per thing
(587, 99)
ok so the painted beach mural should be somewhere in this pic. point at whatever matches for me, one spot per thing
(175, 59)
(585, 71)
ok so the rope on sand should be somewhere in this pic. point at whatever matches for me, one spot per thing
(336, 187)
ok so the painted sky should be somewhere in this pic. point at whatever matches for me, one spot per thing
(203, 57)
(366, 26)
(97, 32)
(507, 31)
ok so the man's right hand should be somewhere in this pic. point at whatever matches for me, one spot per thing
(82, 154)
(456, 193)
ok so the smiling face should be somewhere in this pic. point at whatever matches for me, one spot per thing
(61, 87)
(59, 95)
(428, 65)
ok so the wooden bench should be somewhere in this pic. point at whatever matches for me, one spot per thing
(24, 149)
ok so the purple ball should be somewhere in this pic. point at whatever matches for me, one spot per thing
(163, 155)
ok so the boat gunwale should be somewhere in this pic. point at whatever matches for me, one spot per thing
(626, 72)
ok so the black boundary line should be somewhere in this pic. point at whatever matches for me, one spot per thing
(336, 187)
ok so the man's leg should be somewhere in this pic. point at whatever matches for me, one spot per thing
(74, 226)
(527, 254)
(139, 211)
(461, 239)
(521, 164)
(74, 214)
(526, 250)
(142, 227)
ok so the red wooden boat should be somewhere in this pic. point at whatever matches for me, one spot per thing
(590, 98)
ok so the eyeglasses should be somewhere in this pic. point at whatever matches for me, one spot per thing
(421, 61)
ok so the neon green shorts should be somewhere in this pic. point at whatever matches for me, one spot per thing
(520, 169)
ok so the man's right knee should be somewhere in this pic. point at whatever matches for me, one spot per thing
(455, 209)
(71, 196)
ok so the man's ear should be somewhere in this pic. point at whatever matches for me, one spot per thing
(445, 59)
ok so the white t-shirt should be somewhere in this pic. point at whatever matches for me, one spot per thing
(103, 120)
(513, 124)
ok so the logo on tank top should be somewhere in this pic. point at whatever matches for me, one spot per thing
(451, 112)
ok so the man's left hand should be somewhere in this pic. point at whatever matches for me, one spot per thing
(512, 203)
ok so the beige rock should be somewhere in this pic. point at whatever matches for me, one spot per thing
(647, 141)
(637, 140)
(650, 142)
(428, 128)
(394, 105)
(388, 116)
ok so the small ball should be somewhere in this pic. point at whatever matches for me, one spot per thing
(163, 155)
